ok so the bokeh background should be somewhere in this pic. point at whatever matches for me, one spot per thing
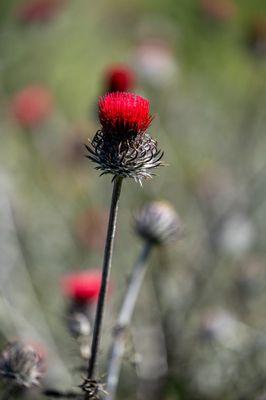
(199, 330)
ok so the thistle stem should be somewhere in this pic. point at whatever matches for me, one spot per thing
(109, 244)
(124, 319)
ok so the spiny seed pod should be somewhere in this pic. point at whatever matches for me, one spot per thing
(158, 223)
(122, 147)
(22, 364)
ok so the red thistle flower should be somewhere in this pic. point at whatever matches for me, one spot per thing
(82, 287)
(119, 78)
(124, 113)
(31, 106)
(38, 10)
(122, 147)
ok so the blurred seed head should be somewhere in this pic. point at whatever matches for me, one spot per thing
(78, 325)
(32, 106)
(237, 234)
(119, 78)
(22, 364)
(155, 62)
(223, 327)
(158, 223)
(122, 147)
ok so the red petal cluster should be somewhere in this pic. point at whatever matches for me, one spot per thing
(32, 105)
(83, 286)
(119, 79)
(124, 113)
(38, 10)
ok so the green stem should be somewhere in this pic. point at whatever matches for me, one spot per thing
(105, 276)
(124, 319)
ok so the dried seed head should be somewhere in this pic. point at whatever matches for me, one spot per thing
(158, 223)
(93, 388)
(122, 147)
(22, 364)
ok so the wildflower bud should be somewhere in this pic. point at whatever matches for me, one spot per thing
(119, 78)
(122, 147)
(79, 325)
(158, 223)
(22, 364)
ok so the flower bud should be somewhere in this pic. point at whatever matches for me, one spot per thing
(158, 223)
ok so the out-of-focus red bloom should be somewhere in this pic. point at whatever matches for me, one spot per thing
(124, 113)
(219, 10)
(83, 286)
(119, 78)
(91, 228)
(38, 10)
(32, 105)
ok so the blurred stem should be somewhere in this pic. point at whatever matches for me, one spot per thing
(105, 276)
(124, 319)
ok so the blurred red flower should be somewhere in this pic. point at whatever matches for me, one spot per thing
(32, 105)
(82, 286)
(38, 10)
(119, 78)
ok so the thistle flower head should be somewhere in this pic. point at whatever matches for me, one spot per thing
(125, 114)
(158, 223)
(22, 364)
(122, 147)
(119, 78)
(82, 287)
